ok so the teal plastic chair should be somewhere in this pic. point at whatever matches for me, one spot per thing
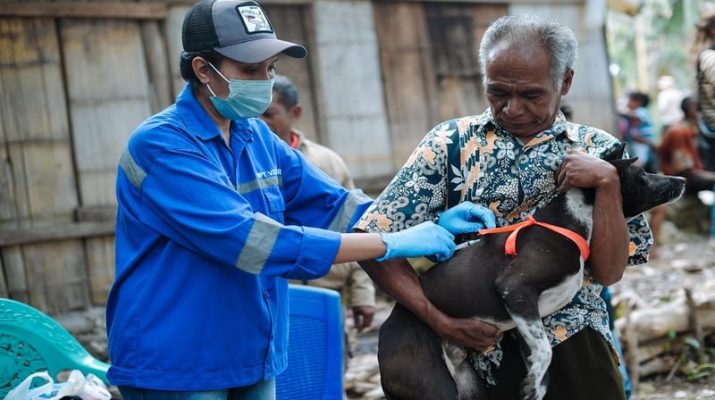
(32, 341)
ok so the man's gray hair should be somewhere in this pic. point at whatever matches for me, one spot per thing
(558, 40)
(286, 91)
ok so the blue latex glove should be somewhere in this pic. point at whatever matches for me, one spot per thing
(467, 217)
(424, 239)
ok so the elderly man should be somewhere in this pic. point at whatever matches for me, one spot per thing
(515, 157)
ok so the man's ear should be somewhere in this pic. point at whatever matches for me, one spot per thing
(296, 112)
(568, 80)
(201, 69)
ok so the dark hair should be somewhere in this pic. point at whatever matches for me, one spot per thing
(567, 111)
(640, 97)
(286, 91)
(187, 71)
(686, 104)
(707, 23)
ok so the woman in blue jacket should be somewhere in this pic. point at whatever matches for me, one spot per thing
(215, 214)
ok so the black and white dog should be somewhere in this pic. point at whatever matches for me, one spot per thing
(510, 292)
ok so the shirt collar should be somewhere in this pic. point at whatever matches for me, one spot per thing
(299, 138)
(486, 122)
(198, 121)
(296, 139)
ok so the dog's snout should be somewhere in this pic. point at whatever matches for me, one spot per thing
(675, 188)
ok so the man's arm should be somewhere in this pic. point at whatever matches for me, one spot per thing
(609, 239)
(361, 295)
(399, 280)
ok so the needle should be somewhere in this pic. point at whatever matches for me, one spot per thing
(466, 244)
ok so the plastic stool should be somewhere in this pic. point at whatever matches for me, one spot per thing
(315, 346)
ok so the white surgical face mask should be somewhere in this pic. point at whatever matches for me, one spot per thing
(246, 98)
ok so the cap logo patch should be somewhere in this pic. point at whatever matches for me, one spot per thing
(253, 18)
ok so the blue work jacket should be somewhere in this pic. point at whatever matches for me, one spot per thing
(206, 236)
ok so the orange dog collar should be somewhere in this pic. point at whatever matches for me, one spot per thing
(510, 245)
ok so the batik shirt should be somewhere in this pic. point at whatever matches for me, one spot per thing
(473, 159)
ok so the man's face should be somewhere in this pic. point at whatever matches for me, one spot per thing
(691, 111)
(633, 103)
(520, 91)
(279, 118)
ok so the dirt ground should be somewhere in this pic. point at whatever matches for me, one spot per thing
(681, 261)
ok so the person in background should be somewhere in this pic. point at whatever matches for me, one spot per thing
(216, 213)
(348, 278)
(705, 75)
(515, 157)
(678, 153)
(640, 136)
(668, 102)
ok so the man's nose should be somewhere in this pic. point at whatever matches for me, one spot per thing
(513, 107)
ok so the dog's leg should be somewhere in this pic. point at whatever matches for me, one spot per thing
(533, 337)
(522, 305)
(412, 364)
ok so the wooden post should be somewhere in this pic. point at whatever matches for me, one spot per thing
(641, 53)
(157, 65)
(694, 322)
(38, 177)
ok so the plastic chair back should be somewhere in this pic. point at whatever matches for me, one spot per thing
(32, 341)
(315, 346)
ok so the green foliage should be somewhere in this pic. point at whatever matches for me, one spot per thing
(668, 28)
(693, 362)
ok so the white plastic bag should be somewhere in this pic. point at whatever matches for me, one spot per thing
(87, 388)
(23, 391)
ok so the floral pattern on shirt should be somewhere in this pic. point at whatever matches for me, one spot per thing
(513, 179)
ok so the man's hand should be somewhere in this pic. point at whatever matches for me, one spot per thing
(470, 332)
(610, 238)
(466, 217)
(362, 317)
(580, 169)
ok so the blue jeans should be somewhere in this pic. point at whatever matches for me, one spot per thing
(263, 390)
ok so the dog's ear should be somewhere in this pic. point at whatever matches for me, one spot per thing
(616, 154)
(623, 163)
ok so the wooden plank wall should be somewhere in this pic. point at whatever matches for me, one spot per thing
(430, 65)
(352, 102)
(291, 23)
(591, 94)
(106, 104)
(39, 185)
(76, 78)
